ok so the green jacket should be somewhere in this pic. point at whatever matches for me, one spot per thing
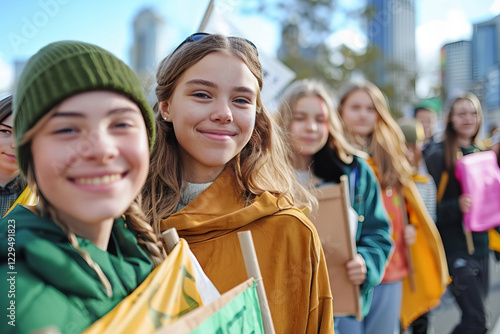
(51, 284)
(373, 240)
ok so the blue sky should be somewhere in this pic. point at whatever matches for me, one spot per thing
(28, 25)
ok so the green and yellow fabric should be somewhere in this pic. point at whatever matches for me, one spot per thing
(169, 292)
(27, 197)
(49, 271)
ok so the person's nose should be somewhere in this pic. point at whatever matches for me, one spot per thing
(99, 146)
(222, 113)
(311, 125)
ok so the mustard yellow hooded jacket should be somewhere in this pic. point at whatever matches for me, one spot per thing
(288, 248)
(429, 260)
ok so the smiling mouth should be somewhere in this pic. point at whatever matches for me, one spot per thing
(12, 156)
(97, 181)
(218, 135)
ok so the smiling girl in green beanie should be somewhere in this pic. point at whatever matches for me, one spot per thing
(83, 132)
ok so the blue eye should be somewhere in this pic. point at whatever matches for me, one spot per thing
(201, 95)
(242, 100)
(122, 125)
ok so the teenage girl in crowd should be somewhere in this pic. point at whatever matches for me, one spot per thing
(83, 131)
(469, 271)
(12, 186)
(321, 154)
(370, 127)
(227, 172)
(415, 135)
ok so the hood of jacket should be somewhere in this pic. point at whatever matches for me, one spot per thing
(220, 209)
(44, 248)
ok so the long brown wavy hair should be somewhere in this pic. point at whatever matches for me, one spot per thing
(450, 140)
(262, 165)
(387, 142)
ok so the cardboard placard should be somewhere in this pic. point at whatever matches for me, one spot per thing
(332, 223)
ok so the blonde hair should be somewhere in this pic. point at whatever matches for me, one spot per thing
(336, 136)
(134, 216)
(450, 135)
(262, 165)
(387, 142)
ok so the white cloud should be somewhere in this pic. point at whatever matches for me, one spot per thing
(350, 36)
(6, 75)
(430, 37)
(495, 7)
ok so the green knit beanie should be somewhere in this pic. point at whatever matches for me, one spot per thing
(61, 70)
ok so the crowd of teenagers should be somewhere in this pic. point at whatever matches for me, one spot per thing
(91, 175)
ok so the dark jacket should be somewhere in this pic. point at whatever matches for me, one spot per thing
(449, 215)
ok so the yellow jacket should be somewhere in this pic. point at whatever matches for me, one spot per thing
(494, 238)
(288, 250)
(429, 260)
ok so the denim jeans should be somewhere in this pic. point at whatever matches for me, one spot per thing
(383, 317)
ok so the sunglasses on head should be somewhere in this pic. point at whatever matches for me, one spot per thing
(198, 36)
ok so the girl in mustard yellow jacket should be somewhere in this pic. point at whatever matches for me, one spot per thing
(218, 167)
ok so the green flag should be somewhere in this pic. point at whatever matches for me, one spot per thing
(236, 311)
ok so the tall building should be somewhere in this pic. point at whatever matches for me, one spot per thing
(457, 68)
(144, 52)
(486, 68)
(392, 30)
(486, 49)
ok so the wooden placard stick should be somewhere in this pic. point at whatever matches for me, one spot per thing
(409, 259)
(253, 270)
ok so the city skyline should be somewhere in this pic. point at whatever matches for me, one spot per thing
(111, 28)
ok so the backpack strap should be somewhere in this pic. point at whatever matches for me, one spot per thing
(442, 186)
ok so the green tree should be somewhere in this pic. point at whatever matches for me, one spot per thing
(306, 26)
